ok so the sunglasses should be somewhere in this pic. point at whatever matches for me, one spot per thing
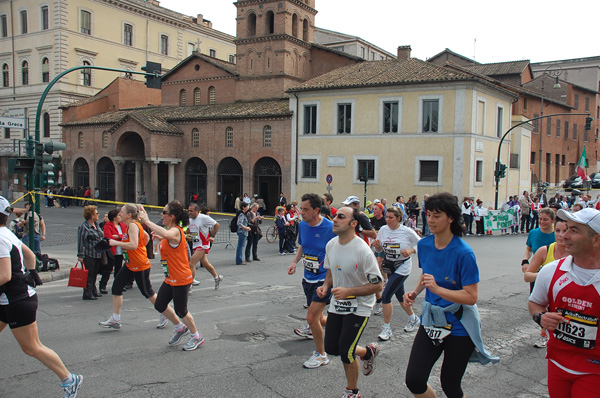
(166, 213)
(341, 216)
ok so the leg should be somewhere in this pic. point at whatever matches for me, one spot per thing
(457, 350)
(180, 300)
(423, 356)
(207, 265)
(90, 288)
(161, 303)
(315, 318)
(240, 248)
(352, 329)
(249, 238)
(196, 256)
(281, 242)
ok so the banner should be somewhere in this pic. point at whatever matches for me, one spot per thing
(497, 220)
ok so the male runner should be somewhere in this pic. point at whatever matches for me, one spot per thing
(314, 231)
(353, 273)
(199, 229)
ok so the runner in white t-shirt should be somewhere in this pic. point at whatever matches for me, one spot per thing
(201, 237)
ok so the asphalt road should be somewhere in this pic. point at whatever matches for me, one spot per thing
(250, 348)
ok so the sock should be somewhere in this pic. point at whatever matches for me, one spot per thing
(355, 391)
(368, 355)
(195, 335)
(387, 325)
(180, 327)
(413, 317)
(117, 317)
(67, 381)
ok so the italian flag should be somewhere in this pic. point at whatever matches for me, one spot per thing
(581, 165)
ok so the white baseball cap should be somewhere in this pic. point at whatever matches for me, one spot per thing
(587, 216)
(375, 201)
(5, 207)
(351, 199)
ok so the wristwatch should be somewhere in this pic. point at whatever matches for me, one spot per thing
(525, 261)
(537, 317)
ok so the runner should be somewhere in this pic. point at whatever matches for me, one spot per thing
(450, 320)
(137, 266)
(178, 276)
(546, 255)
(397, 243)
(538, 237)
(314, 233)
(353, 273)
(19, 303)
(200, 232)
(364, 229)
(565, 301)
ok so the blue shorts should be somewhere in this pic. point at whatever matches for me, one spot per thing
(310, 291)
(394, 286)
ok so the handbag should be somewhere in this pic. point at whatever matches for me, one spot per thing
(78, 276)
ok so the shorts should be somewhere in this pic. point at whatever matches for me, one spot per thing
(394, 286)
(179, 296)
(310, 291)
(124, 277)
(342, 334)
(201, 248)
(562, 384)
(21, 313)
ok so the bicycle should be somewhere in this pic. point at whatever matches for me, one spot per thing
(272, 234)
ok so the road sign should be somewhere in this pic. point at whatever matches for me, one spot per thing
(12, 123)
(329, 179)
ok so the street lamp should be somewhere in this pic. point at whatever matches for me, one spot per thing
(554, 73)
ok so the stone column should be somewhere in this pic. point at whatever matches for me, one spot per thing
(139, 184)
(119, 194)
(152, 195)
(172, 181)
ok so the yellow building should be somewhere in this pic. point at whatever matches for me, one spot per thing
(40, 39)
(409, 126)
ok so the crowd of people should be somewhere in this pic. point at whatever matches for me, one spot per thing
(355, 260)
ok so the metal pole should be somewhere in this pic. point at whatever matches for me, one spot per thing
(541, 132)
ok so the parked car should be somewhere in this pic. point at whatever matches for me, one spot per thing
(595, 179)
(576, 182)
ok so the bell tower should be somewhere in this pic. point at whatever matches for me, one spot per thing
(273, 46)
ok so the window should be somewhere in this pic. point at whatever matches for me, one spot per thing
(212, 95)
(428, 170)
(363, 53)
(295, 25)
(4, 25)
(481, 117)
(366, 167)
(195, 138)
(585, 135)
(229, 137)
(563, 160)
(105, 139)
(499, 122)
(344, 124)
(191, 47)
(45, 20)
(164, 44)
(182, 98)
(558, 128)
(212, 52)
(128, 34)
(6, 132)
(574, 131)
(566, 132)
(25, 73)
(514, 161)
(310, 119)
(549, 126)
(430, 116)
(45, 70)
(23, 15)
(309, 168)
(479, 171)
(536, 123)
(231, 59)
(372, 56)
(576, 104)
(80, 140)
(86, 22)
(270, 19)
(532, 160)
(197, 96)
(46, 124)
(390, 116)
(86, 75)
(305, 30)
(267, 136)
(5, 76)
(251, 24)
(587, 104)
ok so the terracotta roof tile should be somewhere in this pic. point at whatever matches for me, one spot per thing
(500, 68)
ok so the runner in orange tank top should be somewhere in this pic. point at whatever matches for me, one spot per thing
(178, 276)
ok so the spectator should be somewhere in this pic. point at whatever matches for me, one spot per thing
(254, 221)
(525, 204)
(467, 213)
(89, 235)
(39, 228)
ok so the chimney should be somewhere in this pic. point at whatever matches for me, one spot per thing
(403, 53)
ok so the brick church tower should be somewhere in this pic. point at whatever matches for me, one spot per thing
(273, 46)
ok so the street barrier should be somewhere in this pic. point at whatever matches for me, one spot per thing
(224, 234)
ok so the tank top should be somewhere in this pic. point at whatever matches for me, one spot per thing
(137, 259)
(175, 262)
(549, 255)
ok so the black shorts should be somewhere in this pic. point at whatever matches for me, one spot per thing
(342, 334)
(179, 295)
(310, 291)
(21, 313)
(124, 277)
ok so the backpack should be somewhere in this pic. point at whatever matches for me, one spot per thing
(233, 227)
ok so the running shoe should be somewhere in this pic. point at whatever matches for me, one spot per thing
(190, 290)
(178, 334)
(71, 389)
(304, 332)
(111, 323)
(218, 281)
(305, 306)
(368, 366)
(350, 394)
(162, 322)
(542, 341)
(195, 282)
(378, 309)
(412, 324)
(193, 343)
(316, 360)
(385, 334)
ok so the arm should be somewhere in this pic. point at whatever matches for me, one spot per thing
(81, 235)
(467, 295)
(5, 271)
(341, 293)
(215, 229)
(172, 234)
(42, 228)
(322, 290)
(134, 233)
(525, 262)
(28, 258)
(548, 320)
(534, 266)
(292, 268)
(409, 297)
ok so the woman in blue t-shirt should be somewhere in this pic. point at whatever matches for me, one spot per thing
(450, 277)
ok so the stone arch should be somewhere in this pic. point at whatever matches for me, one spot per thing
(81, 173)
(195, 179)
(305, 28)
(131, 145)
(295, 25)
(269, 23)
(105, 179)
(267, 181)
(251, 24)
(230, 176)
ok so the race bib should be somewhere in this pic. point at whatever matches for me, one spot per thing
(347, 305)
(194, 237)
(125, 256)
(311, 263)
(392, 250)
(578, 329)
(438, 334)
(165, 267)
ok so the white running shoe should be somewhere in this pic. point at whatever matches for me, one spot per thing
(111, 323)
(316, 360)
(195, 282)
(412, 324)
(385, 334)
(193, 343)
(178, 334)
(368, 366)
(218, 281)
(70, 391)
(305, 332)
(162, 322)
(542, 341)
(378, 309)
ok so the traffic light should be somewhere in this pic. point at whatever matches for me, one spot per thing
(21, 165)
(502, 170)
(43, 161)
(154, 80)
(588, 123)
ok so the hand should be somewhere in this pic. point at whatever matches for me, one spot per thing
(43, 238)
(551, 320)
(142, 214)
(524, 267)
(33, 278)
(112, 242)
(291, 269)
(321, 291)
(409, 298)
(376, 244)
(429, 283)
(406, 252)
(80, 260)
(340, 293)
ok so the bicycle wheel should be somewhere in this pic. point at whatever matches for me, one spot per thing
(271, 234)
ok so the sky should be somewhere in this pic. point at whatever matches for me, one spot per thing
(478, 29)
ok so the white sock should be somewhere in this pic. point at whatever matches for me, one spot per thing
(180, 326)
(413, 317)
(67, 381)
(387, 325)
(196, 335)
(117, 317)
